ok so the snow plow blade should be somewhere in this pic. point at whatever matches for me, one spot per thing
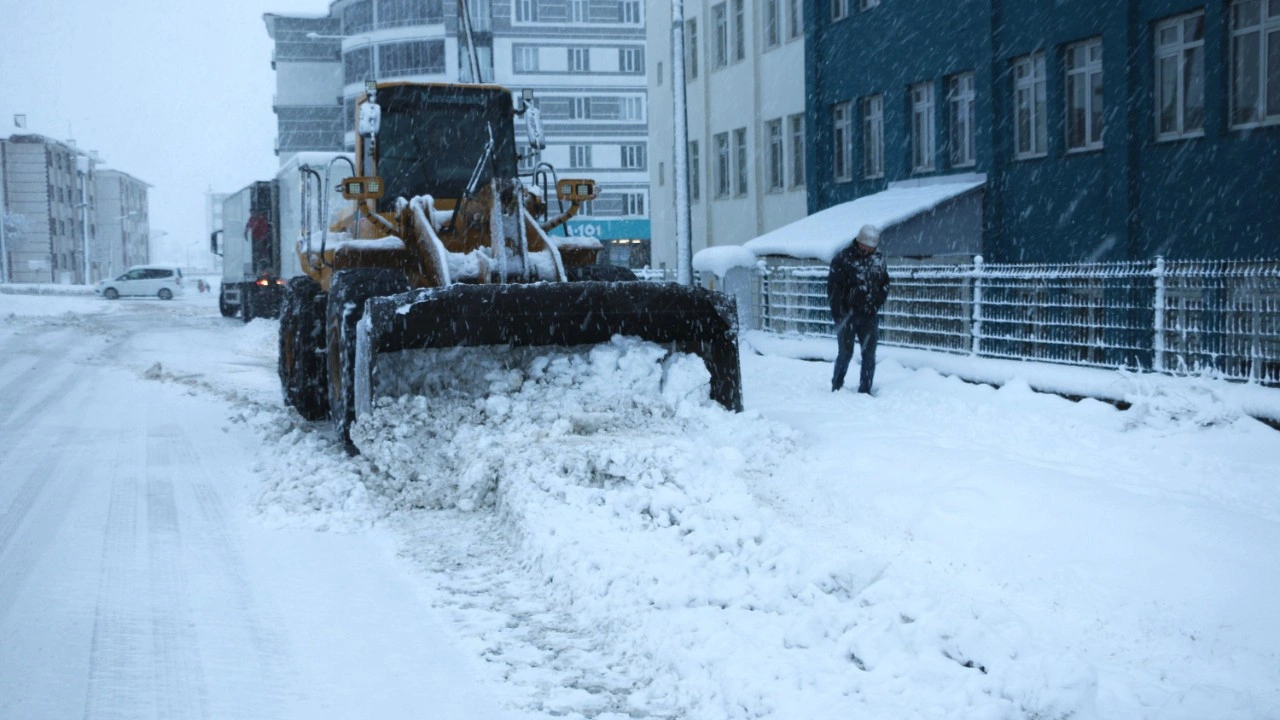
(689, 319)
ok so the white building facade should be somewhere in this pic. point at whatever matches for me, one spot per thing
(585, 60)
(745, 87)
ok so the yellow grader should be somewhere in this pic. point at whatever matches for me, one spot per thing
(442, 245)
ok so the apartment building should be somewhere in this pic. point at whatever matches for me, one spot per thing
(1105, 130)
(584, 60)
(744, 76)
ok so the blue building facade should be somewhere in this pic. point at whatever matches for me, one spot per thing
(1106, 129)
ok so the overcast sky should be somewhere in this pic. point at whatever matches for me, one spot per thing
(176, 93)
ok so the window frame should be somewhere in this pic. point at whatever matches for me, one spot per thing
(520, 56)
(772, 31)
(582, 53)
(1091, 69)
(720, 30)
(1268, 24)
(738, 23)
(796, 136)
(776, 157)
(872, 109)
(691, 49)
(723, 170)
(636, 64)
(741, 166)
(579, 156)
(865, 5)
(962, 110)
(695, 172)
(1178, 50)
(839, 10)
(842, 141)
(924, 128)
(633, 156)
(1034, 84)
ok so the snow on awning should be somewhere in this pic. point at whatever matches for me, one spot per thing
(823, 234)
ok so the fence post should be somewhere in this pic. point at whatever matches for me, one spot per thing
(1157, 345)
(975, 327)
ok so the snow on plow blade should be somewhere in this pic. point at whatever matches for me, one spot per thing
(691, 320)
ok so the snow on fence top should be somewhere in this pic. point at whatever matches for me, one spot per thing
(823, 234)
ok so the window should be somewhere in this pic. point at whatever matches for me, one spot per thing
(577, 11)
(579, 60)
(662, 174)
(525, 59)
(1255, 62)
(695, 175)
(839, 9)
(633, 157)
(795, 19)
(579, 156)
(357, 65)
(1084, 95)
(842, 141)
(418, 57)
(797, 149)
(398, 13)
(580, 108)
(873, 136)
(633, 203)
(776, 158)
(631, 60)
(868, 4)
(740, 151)
(357, 18)
(1180, 77)
(1029, 127)
(722, 165)
(960, 108)
(720, 26)
(528, 159)
(526, 10)
(632, 109)
(629, 12)
(691, 49)
(922, 128)
(739, 30)
(659, 72)
(772, 24)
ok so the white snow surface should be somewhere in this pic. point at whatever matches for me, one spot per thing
(719, 260)
(607, 543)
(823, 234)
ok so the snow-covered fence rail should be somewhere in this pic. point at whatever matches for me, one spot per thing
(1176, 317)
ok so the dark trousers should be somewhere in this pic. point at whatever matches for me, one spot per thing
(864, 329)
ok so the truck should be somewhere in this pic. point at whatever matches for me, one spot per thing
(249, 243)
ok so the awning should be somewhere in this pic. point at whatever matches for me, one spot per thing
(823, 234)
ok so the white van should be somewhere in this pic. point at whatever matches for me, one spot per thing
(162, 281)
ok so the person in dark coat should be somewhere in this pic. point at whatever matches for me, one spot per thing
(856, 288)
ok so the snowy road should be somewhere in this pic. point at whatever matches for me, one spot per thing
(133, 583)
(592, 540)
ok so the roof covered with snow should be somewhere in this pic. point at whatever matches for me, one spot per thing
(823, 234)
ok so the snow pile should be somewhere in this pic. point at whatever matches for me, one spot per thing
(628, 494)
(1163, 405)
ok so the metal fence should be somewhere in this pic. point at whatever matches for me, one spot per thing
(1221, 318)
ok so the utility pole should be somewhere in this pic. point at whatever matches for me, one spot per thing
(684, 227)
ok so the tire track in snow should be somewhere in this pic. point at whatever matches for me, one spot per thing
(118, 684)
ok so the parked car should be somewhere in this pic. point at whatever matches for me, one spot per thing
(162, 281)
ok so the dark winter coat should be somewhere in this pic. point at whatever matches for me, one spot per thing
(857, 284)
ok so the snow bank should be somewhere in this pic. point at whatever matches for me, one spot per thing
(625, 491)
